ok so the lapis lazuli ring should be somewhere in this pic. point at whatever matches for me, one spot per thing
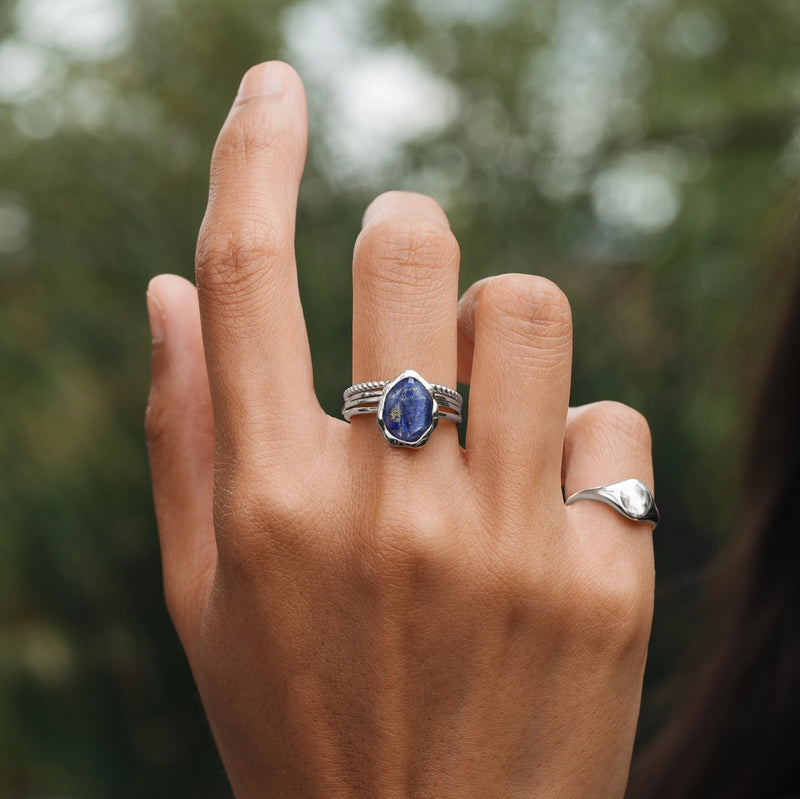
(408, 407)
(631, 498)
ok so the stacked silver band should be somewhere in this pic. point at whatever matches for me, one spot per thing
(365, 397)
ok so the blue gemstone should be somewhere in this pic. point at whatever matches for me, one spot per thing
(408, 410)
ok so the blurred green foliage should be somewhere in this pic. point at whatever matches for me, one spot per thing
(640, 153)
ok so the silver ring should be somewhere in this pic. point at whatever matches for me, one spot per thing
(408, 407)
(631, 498)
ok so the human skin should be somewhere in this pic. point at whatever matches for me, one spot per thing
(371, 621)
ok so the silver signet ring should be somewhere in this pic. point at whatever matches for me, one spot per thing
(631, 498)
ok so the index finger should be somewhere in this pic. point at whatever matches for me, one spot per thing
(254, 333)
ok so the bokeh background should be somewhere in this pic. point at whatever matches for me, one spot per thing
(643, 154)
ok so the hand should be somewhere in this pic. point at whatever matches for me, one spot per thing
(364, 620)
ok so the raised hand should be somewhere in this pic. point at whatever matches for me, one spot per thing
(365, 620)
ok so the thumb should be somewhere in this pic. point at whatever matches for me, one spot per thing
(180, 439)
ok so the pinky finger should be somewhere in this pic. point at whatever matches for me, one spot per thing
(607, 442)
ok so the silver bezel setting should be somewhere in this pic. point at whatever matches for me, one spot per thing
(392, 439)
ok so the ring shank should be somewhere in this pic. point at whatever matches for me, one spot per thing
(363, 398)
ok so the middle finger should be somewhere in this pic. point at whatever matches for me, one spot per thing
(405, 294)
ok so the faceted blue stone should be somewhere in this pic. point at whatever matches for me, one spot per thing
(408, 410)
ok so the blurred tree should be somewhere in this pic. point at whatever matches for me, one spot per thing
(639, 153)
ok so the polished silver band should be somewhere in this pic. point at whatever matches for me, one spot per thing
(631, 498)
(408, 407)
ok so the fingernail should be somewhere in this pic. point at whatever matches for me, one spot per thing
(155, 312)
(466, 321)
(263, 79)
(468, 307)
(466, 315)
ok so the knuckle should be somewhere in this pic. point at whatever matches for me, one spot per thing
(411, 551)
(405, 247)
(250, 510)
(175, 600)
(528, 300)
(155, 423)
(234, 260)
(162, 416)
(527, 308)
(290, 514)
(262, 515)
(188, 413)
(619, 421)
(612, 608)
(239, 505)
(250, 133)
